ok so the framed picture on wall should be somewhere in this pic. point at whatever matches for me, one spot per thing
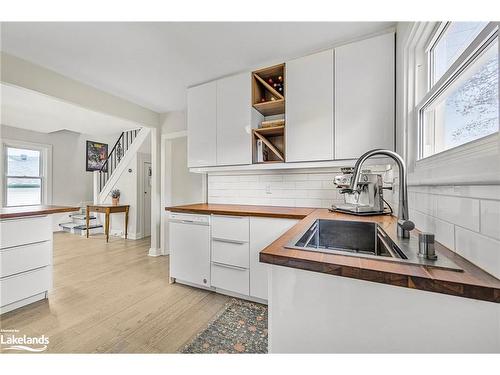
(97, 153)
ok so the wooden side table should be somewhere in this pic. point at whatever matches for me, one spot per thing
(107, 210)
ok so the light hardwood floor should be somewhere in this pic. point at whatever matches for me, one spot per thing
(113, 298)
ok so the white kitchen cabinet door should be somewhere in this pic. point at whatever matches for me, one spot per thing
(235, 119)
(263, 231)
(309, 108)
(364, 96)
(201, 125)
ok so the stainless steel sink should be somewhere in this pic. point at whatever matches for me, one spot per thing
(363, 239)
(353, 237)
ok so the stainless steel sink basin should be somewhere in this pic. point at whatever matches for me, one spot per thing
(352, 237)
(363, 239)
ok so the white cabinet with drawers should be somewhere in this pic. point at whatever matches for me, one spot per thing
(230, 254)
(25, 261)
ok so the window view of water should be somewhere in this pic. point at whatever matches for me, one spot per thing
(24, 182)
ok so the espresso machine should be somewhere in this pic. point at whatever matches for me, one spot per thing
(367, 200)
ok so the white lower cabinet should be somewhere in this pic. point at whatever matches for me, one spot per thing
(263, 232)
(25, 261)
(230, 252)
(24, 258)
(231, 278)
(21, 231)
(24, 285)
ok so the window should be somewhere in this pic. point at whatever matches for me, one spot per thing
(452, 41)
(462, 103)
(26, 173)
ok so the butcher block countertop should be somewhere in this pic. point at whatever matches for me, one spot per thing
(473, 282)
(244, 210)
(15, 212)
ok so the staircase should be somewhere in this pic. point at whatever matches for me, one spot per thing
(78, 224)
(115, 156)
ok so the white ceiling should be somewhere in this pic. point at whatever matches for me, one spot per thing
(31, 110)
(151, 64)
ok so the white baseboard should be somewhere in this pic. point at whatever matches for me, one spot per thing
(154, 252)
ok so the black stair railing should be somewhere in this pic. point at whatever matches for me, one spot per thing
(115, 156)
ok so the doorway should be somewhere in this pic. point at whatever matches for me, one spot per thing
(146, 198)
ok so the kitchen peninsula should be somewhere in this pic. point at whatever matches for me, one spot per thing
(26, 254)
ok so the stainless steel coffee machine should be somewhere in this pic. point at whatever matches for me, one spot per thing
(367, 199)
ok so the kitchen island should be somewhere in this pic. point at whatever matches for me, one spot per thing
(26, 254)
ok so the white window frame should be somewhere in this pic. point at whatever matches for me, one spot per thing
(45, 168)
(472, 163)
(485, 38)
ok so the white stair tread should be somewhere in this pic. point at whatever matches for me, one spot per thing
(68, 225)
(81, 216)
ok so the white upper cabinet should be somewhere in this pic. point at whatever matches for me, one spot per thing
(309, 107)
(201, 125)
(364, 96)
(235, 120)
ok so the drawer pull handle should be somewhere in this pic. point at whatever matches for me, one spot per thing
(229, 266)
(229, 241)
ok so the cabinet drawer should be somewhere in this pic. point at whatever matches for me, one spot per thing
(235, 253)
(231, 278)
(24, 258)
(24, 285)
(24, 231)
(231, 227)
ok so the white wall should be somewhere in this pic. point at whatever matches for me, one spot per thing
(465, 218)
(71, 183)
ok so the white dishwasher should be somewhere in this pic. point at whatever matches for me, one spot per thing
(190, 248)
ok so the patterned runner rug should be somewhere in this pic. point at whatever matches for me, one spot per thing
(240, 328)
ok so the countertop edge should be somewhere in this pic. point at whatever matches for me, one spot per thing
(242, 212)
(476, 292)
(39, 212)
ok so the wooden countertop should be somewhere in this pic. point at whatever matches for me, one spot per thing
(244, 210)
(473, 282)
(14, 212)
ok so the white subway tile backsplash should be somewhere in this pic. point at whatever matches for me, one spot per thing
(283, 202)
(425, 203)
(308, 203)
(460, 211)
(328, 185)
(249, 178)
(480, 250)
(490, 218)
(271, 177)
(445, 233)
(295, 177)
(322, 176)
(322, 194)
(309, 184)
